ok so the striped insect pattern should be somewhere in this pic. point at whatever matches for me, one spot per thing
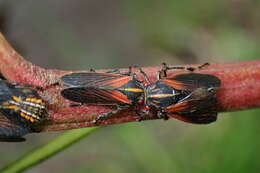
(21, 108)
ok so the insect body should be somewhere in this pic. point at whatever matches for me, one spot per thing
(189, 97)
(20, 108)
(122, 90)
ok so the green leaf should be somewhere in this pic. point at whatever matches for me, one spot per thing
(42, 153)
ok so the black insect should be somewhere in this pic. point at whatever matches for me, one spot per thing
(20, 109)
(119, 89)
(187, 96)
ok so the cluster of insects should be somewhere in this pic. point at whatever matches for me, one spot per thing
(187, 96)
(20, 109)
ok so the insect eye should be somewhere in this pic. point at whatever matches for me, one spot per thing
(140, 101)
(211, 89)
(147, 107)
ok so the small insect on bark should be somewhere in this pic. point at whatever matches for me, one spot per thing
(20, 107)
(186, 96)
(119, 89)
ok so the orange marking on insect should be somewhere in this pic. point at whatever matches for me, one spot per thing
(39, 101)
(25, 116)
(12, 107)
(22, 115)
(179, 117)
(32, 119)
(119, 96)
(28, 117)
(28, 99)
(117, 82)
(17, 99)
(34, 100)
(176, 84)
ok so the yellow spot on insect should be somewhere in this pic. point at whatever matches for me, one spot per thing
(34, 100)
(28, 117)
(32, 120)
(13, 107)
(162, 95)
(137, 90)
(28, 99)
(22, 115)
(38, 100)
(156, 101)
(17, 99)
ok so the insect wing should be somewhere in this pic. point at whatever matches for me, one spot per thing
(196, 118)
(94, 96)
(96, 88)
(97, 80)
(11, 132)
(198, 107)
(190, 81)
(5, 90)
(200, 100)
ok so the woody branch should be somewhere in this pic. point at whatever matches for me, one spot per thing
(240, 89)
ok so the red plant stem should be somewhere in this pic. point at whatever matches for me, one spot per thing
(240, 89)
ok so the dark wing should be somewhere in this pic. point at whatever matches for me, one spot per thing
(95, 96)
(190, 81)
(97, 80)
(6, 90)
(10, 132)
(196, 118)
(200, 100)
(199, 106)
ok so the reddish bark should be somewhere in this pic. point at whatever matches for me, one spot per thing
(240, 89)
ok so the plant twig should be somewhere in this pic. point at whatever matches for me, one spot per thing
(240, 89)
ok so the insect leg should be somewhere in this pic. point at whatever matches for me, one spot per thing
(203, 65)
(162, 115)
(143, 113)
(146, 79)
(109, 114)
(165, 68)
(76, 104)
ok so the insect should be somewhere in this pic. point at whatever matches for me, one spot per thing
(186, 96)
(119, 89)
(189, 96)
(20, 108)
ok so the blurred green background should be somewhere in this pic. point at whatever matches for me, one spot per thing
(100, 34)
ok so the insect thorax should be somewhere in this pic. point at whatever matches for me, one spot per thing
(161, 95)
